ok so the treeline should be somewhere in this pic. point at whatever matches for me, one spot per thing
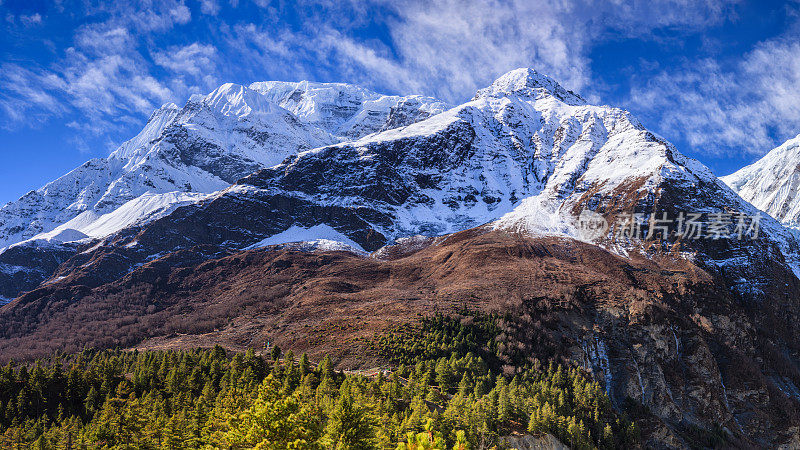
(506, 342)
(208, 399)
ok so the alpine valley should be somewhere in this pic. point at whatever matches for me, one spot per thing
(317, 216)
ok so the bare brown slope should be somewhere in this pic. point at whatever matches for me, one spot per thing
(660, 331)
(286, 291)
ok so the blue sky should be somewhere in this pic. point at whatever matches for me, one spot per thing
(721, 80)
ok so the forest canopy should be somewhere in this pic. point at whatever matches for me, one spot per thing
(449, 390)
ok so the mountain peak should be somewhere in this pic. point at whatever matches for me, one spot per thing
(528, 82)
(772, 184)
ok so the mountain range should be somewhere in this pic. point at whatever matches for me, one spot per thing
(267, 180)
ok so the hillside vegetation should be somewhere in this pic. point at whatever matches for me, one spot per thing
(448, 391)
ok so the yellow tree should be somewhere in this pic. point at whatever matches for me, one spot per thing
(275, 422)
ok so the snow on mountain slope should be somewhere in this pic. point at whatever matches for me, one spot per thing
(524, 136)
(524, 151)
(148, 206)
(183, 154)
(348, 111)
(772, 184)
(320, 237)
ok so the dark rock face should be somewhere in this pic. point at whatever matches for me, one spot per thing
(404, 114)
(26, 266)
(208, 156)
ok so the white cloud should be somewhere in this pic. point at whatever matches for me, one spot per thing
(451, 48)
(28, 94)
(120, 68)
(30, 20)
(110, 90)
(193, 59)
(719, 110)
(144, 16)
(180, 14)
(209, 7)
(459, 46)
(104, 78)
(103, 39)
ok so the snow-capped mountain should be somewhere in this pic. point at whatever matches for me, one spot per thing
(181, 156)
(524, 152)
(521, 141)
(346, 111)
(772, 184)
(184, 154)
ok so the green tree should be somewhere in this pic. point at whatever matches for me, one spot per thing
(350, 426)
(305, 365)
(275, 422)
(425, 440)
(461, 441)
(275, 352)
(444, 375)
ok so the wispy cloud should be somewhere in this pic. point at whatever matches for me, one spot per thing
(747, 107)
(27, 94)
(103, 78)
(450, 48)
(210, 7)
(31, 19)
(127, 58)
(458, 46)
(194, 59)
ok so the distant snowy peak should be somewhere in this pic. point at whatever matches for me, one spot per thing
(183, 154)
(528, 82)
(772, 184)
(345, 110)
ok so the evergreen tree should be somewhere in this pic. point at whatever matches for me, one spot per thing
(275, 352)
(444, 375)
(305, 365)
(465, 386)
(275, 422)
(426, 440)
(350, 427)
(504, 412)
